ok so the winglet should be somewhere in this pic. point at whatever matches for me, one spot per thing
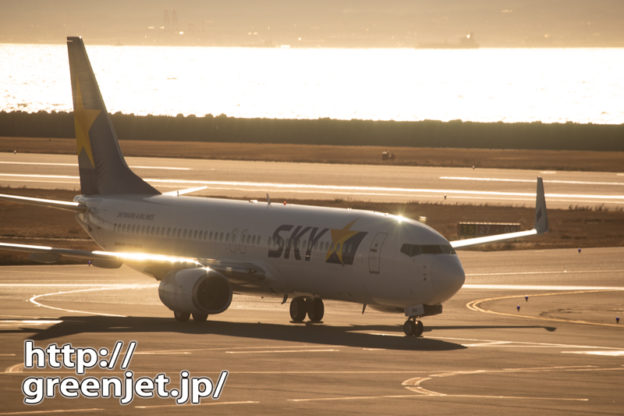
(541, 224)
(541, 217)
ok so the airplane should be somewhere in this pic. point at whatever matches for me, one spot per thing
(202, 250)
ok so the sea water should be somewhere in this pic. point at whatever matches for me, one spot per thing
(488, 85)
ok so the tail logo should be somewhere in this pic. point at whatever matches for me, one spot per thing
(345, 242)
(83, 120)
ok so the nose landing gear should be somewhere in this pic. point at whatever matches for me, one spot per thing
(412, 327)
(185, 316)
(181, 316)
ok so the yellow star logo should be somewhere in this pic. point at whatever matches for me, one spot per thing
(83, 120)
(339, 237)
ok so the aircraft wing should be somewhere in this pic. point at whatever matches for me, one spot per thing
(541, 224)
(159, 265)
(101, 258)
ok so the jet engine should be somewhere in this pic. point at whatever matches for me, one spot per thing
(196, 291)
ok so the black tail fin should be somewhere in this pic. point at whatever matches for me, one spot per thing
(103, 169)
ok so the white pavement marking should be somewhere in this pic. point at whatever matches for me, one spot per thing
(348, 189)
(15, 368)
(474, 305)
(325, 372)
(542, 287)
(60, 285)
(529, 343)
(193, 406)
(76, 165)
(339, 398)
(73, 182)
(603, 353)
(28, 322)
(488, 344)
(601, 271)
(415, 384)
(33, 299)
(431, 395)
(32, 175)
(46, 412)
(283, 351)
(563, 182)
(381, 334)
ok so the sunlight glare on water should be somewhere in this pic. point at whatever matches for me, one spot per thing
(548, 85)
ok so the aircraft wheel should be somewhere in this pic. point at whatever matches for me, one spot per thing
(409, 327)
(181, 316)
(200, 317)
(419, 329)
(316, 309)
(298, 309)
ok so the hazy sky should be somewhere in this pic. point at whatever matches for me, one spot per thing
(329, 23)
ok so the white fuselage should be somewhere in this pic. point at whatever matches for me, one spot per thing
(344, 254)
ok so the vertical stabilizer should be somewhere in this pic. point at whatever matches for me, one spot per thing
(103, 169)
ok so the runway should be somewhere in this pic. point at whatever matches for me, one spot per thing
(381, 183)
(560, 353)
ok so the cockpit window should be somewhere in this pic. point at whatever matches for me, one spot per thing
(416, 249)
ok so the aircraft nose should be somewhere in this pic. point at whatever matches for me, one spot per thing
(449, 276)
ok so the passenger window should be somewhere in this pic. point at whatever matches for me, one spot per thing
(417, 249)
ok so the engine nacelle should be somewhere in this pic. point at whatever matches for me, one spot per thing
(196, 291)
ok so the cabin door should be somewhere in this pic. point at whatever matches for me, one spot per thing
(374, 253)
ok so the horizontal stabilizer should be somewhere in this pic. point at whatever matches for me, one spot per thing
(51, 203)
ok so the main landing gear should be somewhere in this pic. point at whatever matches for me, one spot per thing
(185, 316)
(412, 327)
(304, 305)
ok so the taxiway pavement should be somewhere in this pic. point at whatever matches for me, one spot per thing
(561, 353)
